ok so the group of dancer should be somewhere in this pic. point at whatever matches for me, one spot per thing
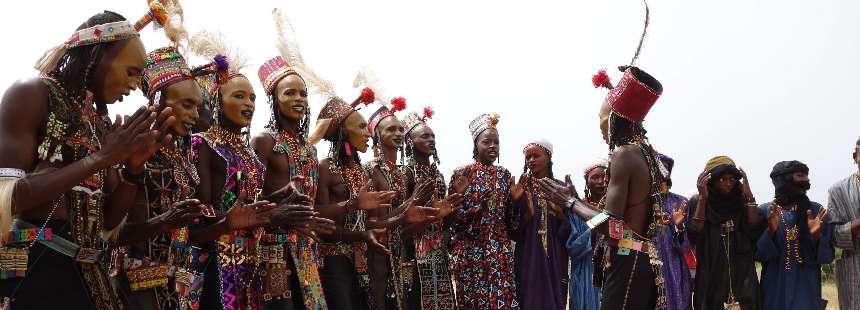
(175, 207)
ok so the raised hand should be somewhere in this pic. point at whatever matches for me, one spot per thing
(374, 200)
(149, 141)
(182, 214)
(119, 143)
(518, 188)
(816, 222)
(679, 213)
(558, 193)
(461, 181)
(323, 226)
(702, 185)
(241, 216)
(448, 205)
(745, 185)
(773, 218)
(292, 216)
(371, 237)
(290, 194)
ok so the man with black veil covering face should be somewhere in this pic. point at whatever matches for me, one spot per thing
(795, 244)
(724, 229)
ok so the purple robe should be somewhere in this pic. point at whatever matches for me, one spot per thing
(541, 274)
(671, 246)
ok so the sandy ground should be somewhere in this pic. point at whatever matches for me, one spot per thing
(828, 290)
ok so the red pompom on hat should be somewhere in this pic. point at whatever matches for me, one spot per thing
(398, 104)
(601, 79)
(367, 96)
(428, 112)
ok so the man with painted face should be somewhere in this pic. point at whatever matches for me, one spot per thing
(482, 247)
(70, 173)
(540, 256)
(631, 213)
(796, 243)
(224, 254)
(428, 254)
(343, 196)
(843, 205)
(291, 173)
(155, 233)
(724, 228)
(387, 272)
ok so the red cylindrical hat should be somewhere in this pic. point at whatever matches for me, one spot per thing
(634, 95)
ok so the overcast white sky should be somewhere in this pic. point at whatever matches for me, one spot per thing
(760, 81)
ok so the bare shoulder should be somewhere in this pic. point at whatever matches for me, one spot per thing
(23, 100)
(263, 143)
(626, 157)
(262, 139)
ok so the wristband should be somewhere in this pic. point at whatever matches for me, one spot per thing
(128, 178)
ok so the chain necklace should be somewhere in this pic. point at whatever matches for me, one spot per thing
(300, 160)
(353, 178)
(541, 200)
(792, 243)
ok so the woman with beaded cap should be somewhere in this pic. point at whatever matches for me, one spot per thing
(69, 170)
(428, 252)
(291, 276)
(154, 236)
(540, 256)
(224, 256)
(482, 247)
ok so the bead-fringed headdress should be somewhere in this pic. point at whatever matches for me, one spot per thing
(481, 123)
(637, 91)
(412, 120)
(367, 79)
(409, 123)
(227, 61)
(166, 65)
(160, 11)
(281, 66)
(336, 110)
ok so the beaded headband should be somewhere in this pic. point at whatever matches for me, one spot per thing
(542, 143)
(164, 66)
(100, 34)
(397, 104)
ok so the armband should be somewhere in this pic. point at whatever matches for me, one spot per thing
(598, 219)
(11, 173)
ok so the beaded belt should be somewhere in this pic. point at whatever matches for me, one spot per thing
(147, 277)
(630, 244)
(62, 245)
(335, 249)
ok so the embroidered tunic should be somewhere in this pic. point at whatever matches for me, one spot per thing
(482, 248)
(429, 249)
(233, 258)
